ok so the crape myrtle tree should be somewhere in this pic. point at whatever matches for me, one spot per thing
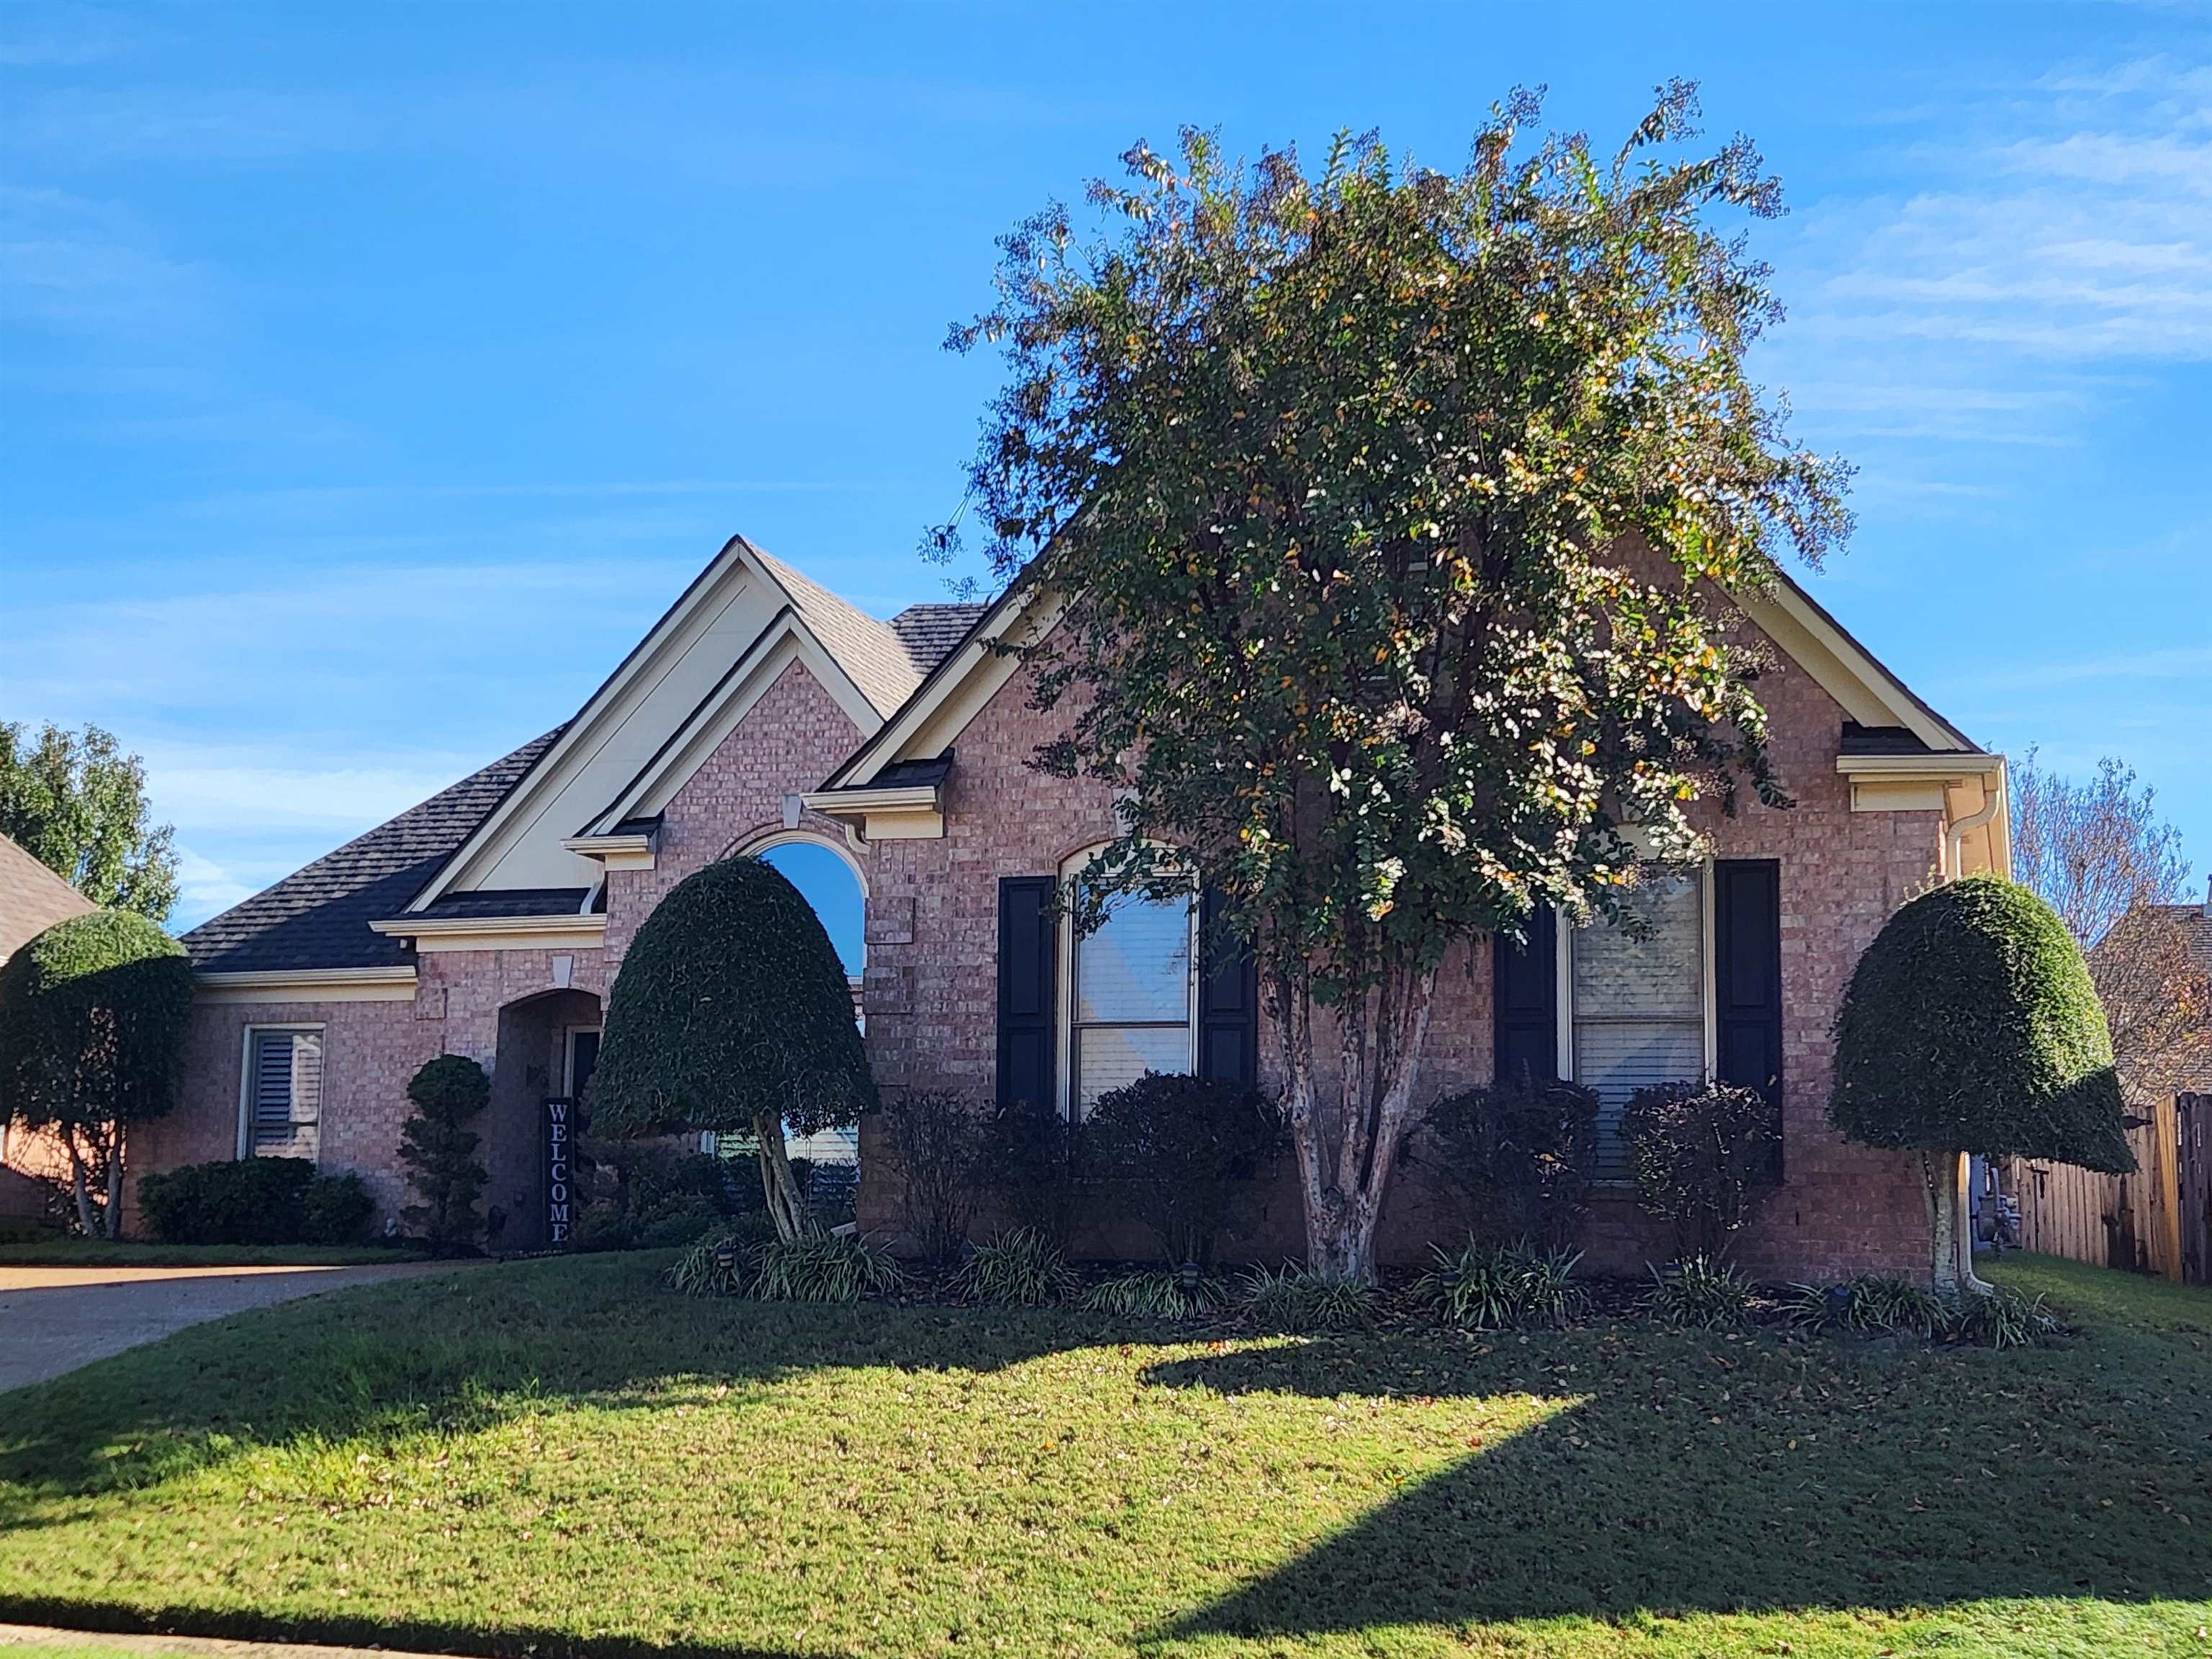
(1387, 507)
(1970, 1025)
(732, 1013)
(92, 1016)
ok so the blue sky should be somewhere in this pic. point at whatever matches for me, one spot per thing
(372, 376)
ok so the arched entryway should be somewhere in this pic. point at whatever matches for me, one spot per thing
(547, 1044)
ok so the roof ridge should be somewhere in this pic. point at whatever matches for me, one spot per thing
(873, 653)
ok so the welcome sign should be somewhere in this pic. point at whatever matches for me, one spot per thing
(559, 1212)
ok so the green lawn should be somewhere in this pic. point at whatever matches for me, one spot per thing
(58, 1252)
(553, 1457)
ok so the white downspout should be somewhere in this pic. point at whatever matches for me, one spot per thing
(1954, 835)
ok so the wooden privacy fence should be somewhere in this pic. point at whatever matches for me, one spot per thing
(2158, 1220)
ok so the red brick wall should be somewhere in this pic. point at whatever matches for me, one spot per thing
(931, 989)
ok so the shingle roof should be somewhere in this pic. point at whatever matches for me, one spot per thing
(511, 901)
(931, 631)
(32, 898)
(864, 648)
(1881, 740)
(318, 917)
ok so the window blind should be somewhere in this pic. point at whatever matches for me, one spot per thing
(1132, 997)
(1638, 1004)
(284, 1095)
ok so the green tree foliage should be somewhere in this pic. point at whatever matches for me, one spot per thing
(1389, 508)
(1970, 1025)
(77, 804)
(732, 1013)
(92, 1015)
(439, 1149)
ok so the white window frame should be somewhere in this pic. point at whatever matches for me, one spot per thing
(1065, 1025)
(1708, 998)
(245, 1080)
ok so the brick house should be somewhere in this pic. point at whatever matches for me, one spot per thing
(763, 711)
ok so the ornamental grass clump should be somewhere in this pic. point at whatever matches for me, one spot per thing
(1294, 1299)
(1019, 1268)
(1697, 1294)
(712, 1267)
(823, 1268)
(1156, 1294)
(1493, 1287)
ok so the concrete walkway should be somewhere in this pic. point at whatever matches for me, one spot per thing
(42, 1640)
(53, 1320)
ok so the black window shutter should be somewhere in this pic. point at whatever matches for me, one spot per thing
(1525, 1002)
(1748, 975)
(1228, 1001)
(1028, 961)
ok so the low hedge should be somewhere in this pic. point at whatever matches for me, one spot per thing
(255, 1200)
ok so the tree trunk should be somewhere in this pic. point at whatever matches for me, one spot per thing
(786, 1207)
(1347, 1149)
(1950, 1235)
(114, 1216)
(77, 1186)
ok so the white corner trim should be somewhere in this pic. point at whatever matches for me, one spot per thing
(432, 933)
(907, 813)
(308, 985)
(626, 852)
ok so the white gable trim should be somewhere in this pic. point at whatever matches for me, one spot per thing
(687, 627)
(1868, 692)
(785, 642)
(956, 690)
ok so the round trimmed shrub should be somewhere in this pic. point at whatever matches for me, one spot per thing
(439, 1149)
(732, 1013)
(1970, 1024)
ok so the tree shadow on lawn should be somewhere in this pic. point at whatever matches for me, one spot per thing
(475, 1349)
(1695, 1474)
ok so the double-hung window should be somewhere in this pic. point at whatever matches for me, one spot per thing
(280, 1104)
(1637, 992)
(1132, 1003)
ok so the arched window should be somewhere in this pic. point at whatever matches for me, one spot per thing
(826, 880)
(1131, 1001)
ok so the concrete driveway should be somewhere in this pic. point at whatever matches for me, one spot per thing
(53, 1320)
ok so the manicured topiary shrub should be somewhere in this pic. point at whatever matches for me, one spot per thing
(1970, 1025)
(439, 1149)
(1516, 1157)
(92, 1015)
(1185, 1150)
(732, 1013)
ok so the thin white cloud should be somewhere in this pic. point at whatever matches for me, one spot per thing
(2062, 247)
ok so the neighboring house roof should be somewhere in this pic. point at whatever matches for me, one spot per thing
(2192, 1073)
(32, 898)
(318, 917)
(933, 632)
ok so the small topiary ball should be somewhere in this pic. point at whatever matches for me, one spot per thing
(1970, 1024)
(450, 1089)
